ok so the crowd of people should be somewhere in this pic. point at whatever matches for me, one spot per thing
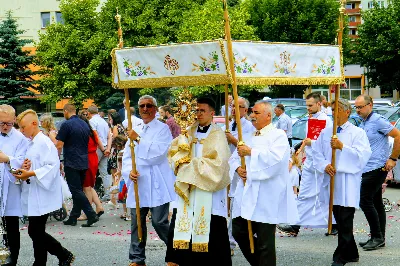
(198, 177)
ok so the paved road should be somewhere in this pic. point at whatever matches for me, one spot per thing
(107, 243)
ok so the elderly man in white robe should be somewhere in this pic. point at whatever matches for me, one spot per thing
(13, 147)
(313, 198)
(265, 195)
(199, 233)
(41, 189)
(154, 177)
(232, 137)
(352, 154)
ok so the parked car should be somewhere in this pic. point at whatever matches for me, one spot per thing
(378, 102)
(391, 113)
(294, 112)
(396, 169)
(299, 128)
(286, 101)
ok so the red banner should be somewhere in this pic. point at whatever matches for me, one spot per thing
(315, 127)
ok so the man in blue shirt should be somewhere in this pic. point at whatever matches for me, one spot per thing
(382, 160)
(284, 121)
(74, 137)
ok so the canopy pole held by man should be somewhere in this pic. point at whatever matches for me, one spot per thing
(236, 99)
(337, 95)
(132, 144)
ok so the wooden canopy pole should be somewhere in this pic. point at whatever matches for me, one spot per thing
(235, 98)
(337, 94)
(132, 143)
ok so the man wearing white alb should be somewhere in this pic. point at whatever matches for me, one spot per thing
(101, 127)
(313, 198)
(154, 177)
(41, 189)
(232, 137)
(13, 147)
(352, 154)
(267, 197)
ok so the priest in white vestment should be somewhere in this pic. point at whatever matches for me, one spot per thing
(199, 233)
(233, 139)
(154, 177)
(41, 189)
(352, 154)
(13, 147)
(313, 198)
(264, 195)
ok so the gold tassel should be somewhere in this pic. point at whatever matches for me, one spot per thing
(199, 247)
(184, 147)
(181, 244)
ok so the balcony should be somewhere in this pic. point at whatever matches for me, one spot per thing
(353, 36)
(353, 11)
(354, 24)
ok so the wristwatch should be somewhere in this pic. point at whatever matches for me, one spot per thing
(393, 159)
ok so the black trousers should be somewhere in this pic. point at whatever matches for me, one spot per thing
(264, 243)
(43, 242)
(75, 179)
(290, 142)
(347, 247)
(219, 251)
(371, 201)
(12, 236)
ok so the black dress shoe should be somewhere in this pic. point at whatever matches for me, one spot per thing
(68, 260)
(363, 243)
(374, 243)
(338, 263)
(288, 229)
(91, 221)
(70, 221)
(334, 232)
(354, 260)
(100, 213)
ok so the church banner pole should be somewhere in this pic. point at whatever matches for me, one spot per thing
(131, 144)
(337, 94)
(235, 98)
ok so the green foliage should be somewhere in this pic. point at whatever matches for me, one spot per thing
(378, 46)
(15, 75)
(114, 102)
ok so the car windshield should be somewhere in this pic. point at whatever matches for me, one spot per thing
(289, 102)
(296, 113)
(299, 129)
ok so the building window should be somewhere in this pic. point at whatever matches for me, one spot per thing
(352, 32)
(353, 89)
(45, 16)
(350, 6)
(352, 18)
(379, 4)
(59, 18)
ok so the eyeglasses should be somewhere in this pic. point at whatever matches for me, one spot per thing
(147, 105)
(360, 107)
(6, 123)
(239, 106)
(200, 111)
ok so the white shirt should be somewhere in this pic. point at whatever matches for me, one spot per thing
(350, 162)
(267, 196)
(223, 110)
(156, 180)
(308, 163)
(285, 123)
(136, 122)
(247, 128)
(14, 145)
(219, 198)
(44, 194)
(100, 125)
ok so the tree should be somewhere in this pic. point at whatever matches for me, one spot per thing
(378, 46)
(15, 74)
(67, 55)
(296, 21)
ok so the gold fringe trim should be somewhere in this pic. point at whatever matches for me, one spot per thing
(181, 161)
(205, 80)
(181, 244)
(289, 81)
(199, 247)
(183, 147)
(180, 193)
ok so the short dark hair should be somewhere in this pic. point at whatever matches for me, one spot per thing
(167, 108)
(116, 118)
(280, 106)
(315, 95)
(204, 100)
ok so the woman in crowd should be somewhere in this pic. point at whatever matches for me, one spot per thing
(90, 179)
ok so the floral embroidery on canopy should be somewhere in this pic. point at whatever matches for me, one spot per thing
(242, 66)
(209, 64)
(136, 70)
(326, 68)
